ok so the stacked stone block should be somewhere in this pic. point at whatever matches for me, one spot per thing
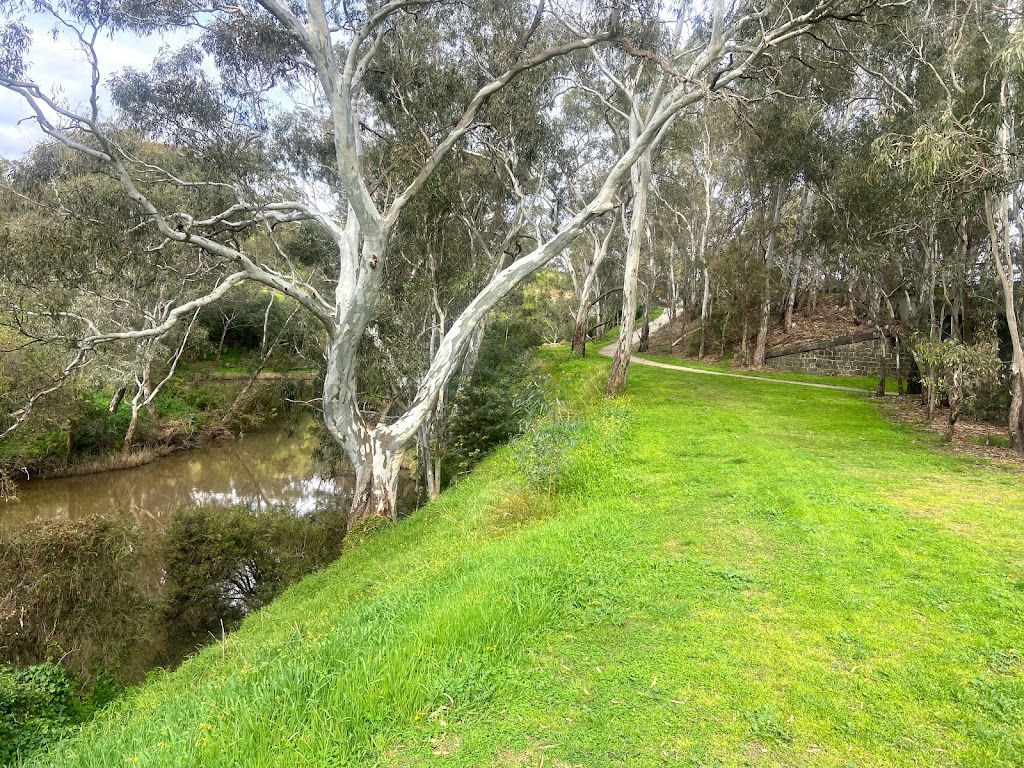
(846, 356)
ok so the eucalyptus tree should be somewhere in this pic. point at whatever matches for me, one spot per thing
(959, 107)
(586, 146)
(693, 186)
(70, 260)
(584, 264)
(327, 55)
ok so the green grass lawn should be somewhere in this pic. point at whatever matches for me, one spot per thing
(860, 382)
(727, 574)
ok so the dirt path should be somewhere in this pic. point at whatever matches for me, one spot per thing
(663, 319)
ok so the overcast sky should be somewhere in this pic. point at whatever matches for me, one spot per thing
(58, 67)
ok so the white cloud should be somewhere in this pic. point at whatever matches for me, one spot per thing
(58, 67)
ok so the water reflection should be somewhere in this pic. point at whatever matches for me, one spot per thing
(201, 583)
(273, 467)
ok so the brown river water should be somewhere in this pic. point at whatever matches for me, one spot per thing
(272, 467)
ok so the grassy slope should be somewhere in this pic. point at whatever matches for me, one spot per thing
(752, 576)
(860, 382)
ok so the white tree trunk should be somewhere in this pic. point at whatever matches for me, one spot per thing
(641, 178)
(579, 334)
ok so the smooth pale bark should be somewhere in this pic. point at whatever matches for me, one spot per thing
(997, 206)
(645, 331)
(136, 408)
(1000, 208)
(705, 310)
(673, 287)
(223, 338)
(600, 253)
(145, 391)
(640, 176)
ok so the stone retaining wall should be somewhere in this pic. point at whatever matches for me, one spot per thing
(846, 356)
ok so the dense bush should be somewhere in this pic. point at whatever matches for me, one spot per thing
(96, 430)
(544, 452)
(222, 564)
(71, 590)
(505, 392)
(563, 451)
(74, 593)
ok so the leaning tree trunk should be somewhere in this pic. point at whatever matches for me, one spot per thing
(115, 401)
(641, 178)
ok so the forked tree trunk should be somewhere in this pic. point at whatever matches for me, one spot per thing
(220, 344)
(142, 398)
(376, 487)
(579, 334)
(133, 423)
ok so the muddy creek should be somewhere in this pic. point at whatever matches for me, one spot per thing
(272, 467)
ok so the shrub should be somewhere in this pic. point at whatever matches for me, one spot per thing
(505, 393)
(95, 430)
(222, 564)
(561, 452)
(960, 372)
(545, 451)
(71, 590)
(36, 705)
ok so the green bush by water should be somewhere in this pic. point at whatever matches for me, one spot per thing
(223, 564)
(38, 704)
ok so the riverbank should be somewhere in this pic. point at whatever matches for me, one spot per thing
(199, 406)
(708, 570)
